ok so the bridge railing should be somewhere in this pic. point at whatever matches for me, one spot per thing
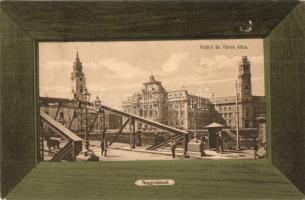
(74, 145)
(146, 121)
(132, 117)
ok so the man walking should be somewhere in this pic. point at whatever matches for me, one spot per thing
(173, 148)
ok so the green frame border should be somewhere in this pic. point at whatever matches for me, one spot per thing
(268, 91)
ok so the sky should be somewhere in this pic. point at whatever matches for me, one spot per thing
(114, 70)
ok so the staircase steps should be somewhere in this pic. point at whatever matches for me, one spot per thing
(245, 138)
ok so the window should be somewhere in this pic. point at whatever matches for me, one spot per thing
(247, 123)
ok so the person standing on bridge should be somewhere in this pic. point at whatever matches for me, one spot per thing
(219, 142)
(203, 145)
(173, 148)
(104, 147)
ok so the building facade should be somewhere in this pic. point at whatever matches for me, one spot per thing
(185, 111)
(244, 107)
(175, 108)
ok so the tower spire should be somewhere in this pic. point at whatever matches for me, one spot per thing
(77, 57)
(78, 78)
(245, 88)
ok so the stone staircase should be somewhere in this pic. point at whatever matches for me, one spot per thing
(246, 138)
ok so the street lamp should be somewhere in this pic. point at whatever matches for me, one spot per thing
(97, 105)
(237, 117)
(195, 122)
(97, 102)
(86, 97)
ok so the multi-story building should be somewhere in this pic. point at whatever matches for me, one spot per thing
(175, 108)
(183, 110)
(246, 105)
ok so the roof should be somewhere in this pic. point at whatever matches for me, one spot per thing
(215, 125)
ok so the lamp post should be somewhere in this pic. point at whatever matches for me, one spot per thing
(97, 102)
(237, 118)
(86, 97)
(195, 122)
(97, 105)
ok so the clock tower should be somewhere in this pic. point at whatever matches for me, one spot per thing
(245, 87)
(78, 79)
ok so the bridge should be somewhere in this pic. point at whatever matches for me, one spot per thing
(74, 143)
(65, 130)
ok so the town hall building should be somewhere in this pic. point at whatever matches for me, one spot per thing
(189, 112)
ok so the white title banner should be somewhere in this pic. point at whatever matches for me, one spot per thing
(156, 182)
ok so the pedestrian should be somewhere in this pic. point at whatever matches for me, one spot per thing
(104, 147)
(138, 135)
(255, 148)
(219, 143)
(173, 148)
(202, 146)
(156, 136)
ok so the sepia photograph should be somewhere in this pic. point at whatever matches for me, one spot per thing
(152, 100)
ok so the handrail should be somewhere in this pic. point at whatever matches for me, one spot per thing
(146, 121)
(62, 130)
(176, 137)
(125, 114)
(63, 152)
(230, 133)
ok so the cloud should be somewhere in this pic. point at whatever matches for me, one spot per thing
(120, 69)
(113, 74)
(174, 62)
(56, 65)
(54, 78)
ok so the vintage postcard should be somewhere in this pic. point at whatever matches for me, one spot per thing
(152, 100)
